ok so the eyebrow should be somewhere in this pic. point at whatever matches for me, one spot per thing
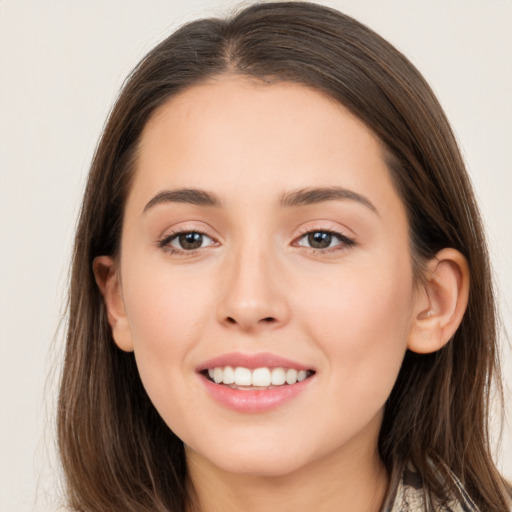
(302, 197)
(184, 195)
(309, 196)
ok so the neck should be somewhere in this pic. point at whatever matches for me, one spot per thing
(353, 484)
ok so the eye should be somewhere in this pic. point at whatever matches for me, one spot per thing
(186, 241)
(323, 240)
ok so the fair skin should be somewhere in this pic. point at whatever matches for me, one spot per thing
(322, 282)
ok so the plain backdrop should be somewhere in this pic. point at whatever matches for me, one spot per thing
(61, 66)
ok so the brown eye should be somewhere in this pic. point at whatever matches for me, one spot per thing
(320, 239)
(188, 241)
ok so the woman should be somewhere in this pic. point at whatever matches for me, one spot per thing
(280, 294)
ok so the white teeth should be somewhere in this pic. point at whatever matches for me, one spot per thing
(259, 377)
(291, 376)
(243, 376)
(278, 376)
(229, 375)
(217, 375)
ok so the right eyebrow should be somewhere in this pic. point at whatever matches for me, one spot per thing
(184, 195)
(308, 196)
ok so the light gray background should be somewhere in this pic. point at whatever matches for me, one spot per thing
(62, 64)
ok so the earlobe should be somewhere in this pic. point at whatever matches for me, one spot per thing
(440, 302)
(107, 278)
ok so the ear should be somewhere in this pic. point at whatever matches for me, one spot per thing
(440, 303)
(108, 280)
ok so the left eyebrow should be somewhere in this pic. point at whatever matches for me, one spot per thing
(184, 195)
(308, 196)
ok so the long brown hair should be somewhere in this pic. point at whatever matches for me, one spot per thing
(117, 453)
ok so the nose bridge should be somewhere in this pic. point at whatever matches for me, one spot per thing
(253, 297)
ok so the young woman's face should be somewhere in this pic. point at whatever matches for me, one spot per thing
(263, 242)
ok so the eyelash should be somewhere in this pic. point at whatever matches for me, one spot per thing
(344, 242)
(164, 243)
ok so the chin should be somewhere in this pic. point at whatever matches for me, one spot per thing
(259, 460)
(270, 466)
(262, 467)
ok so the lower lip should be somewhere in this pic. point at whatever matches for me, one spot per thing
(260, 400)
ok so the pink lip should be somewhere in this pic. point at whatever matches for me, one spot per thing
(258, 400)
(251, 361)
(249, 401)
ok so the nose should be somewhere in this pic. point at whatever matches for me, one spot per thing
(253, 296)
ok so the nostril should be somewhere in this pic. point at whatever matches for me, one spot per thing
(234, 321)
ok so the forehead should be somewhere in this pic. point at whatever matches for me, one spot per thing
(240, 137)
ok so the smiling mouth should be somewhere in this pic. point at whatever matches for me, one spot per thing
(246, 379)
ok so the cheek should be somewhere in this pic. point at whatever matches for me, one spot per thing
(166, 311)
(164, 303)
(361, 322)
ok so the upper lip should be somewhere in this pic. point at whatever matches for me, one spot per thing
(251, 361)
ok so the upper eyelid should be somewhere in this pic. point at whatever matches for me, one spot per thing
(309, 229)
(187, 227)
(326, 226)
(175, 234)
